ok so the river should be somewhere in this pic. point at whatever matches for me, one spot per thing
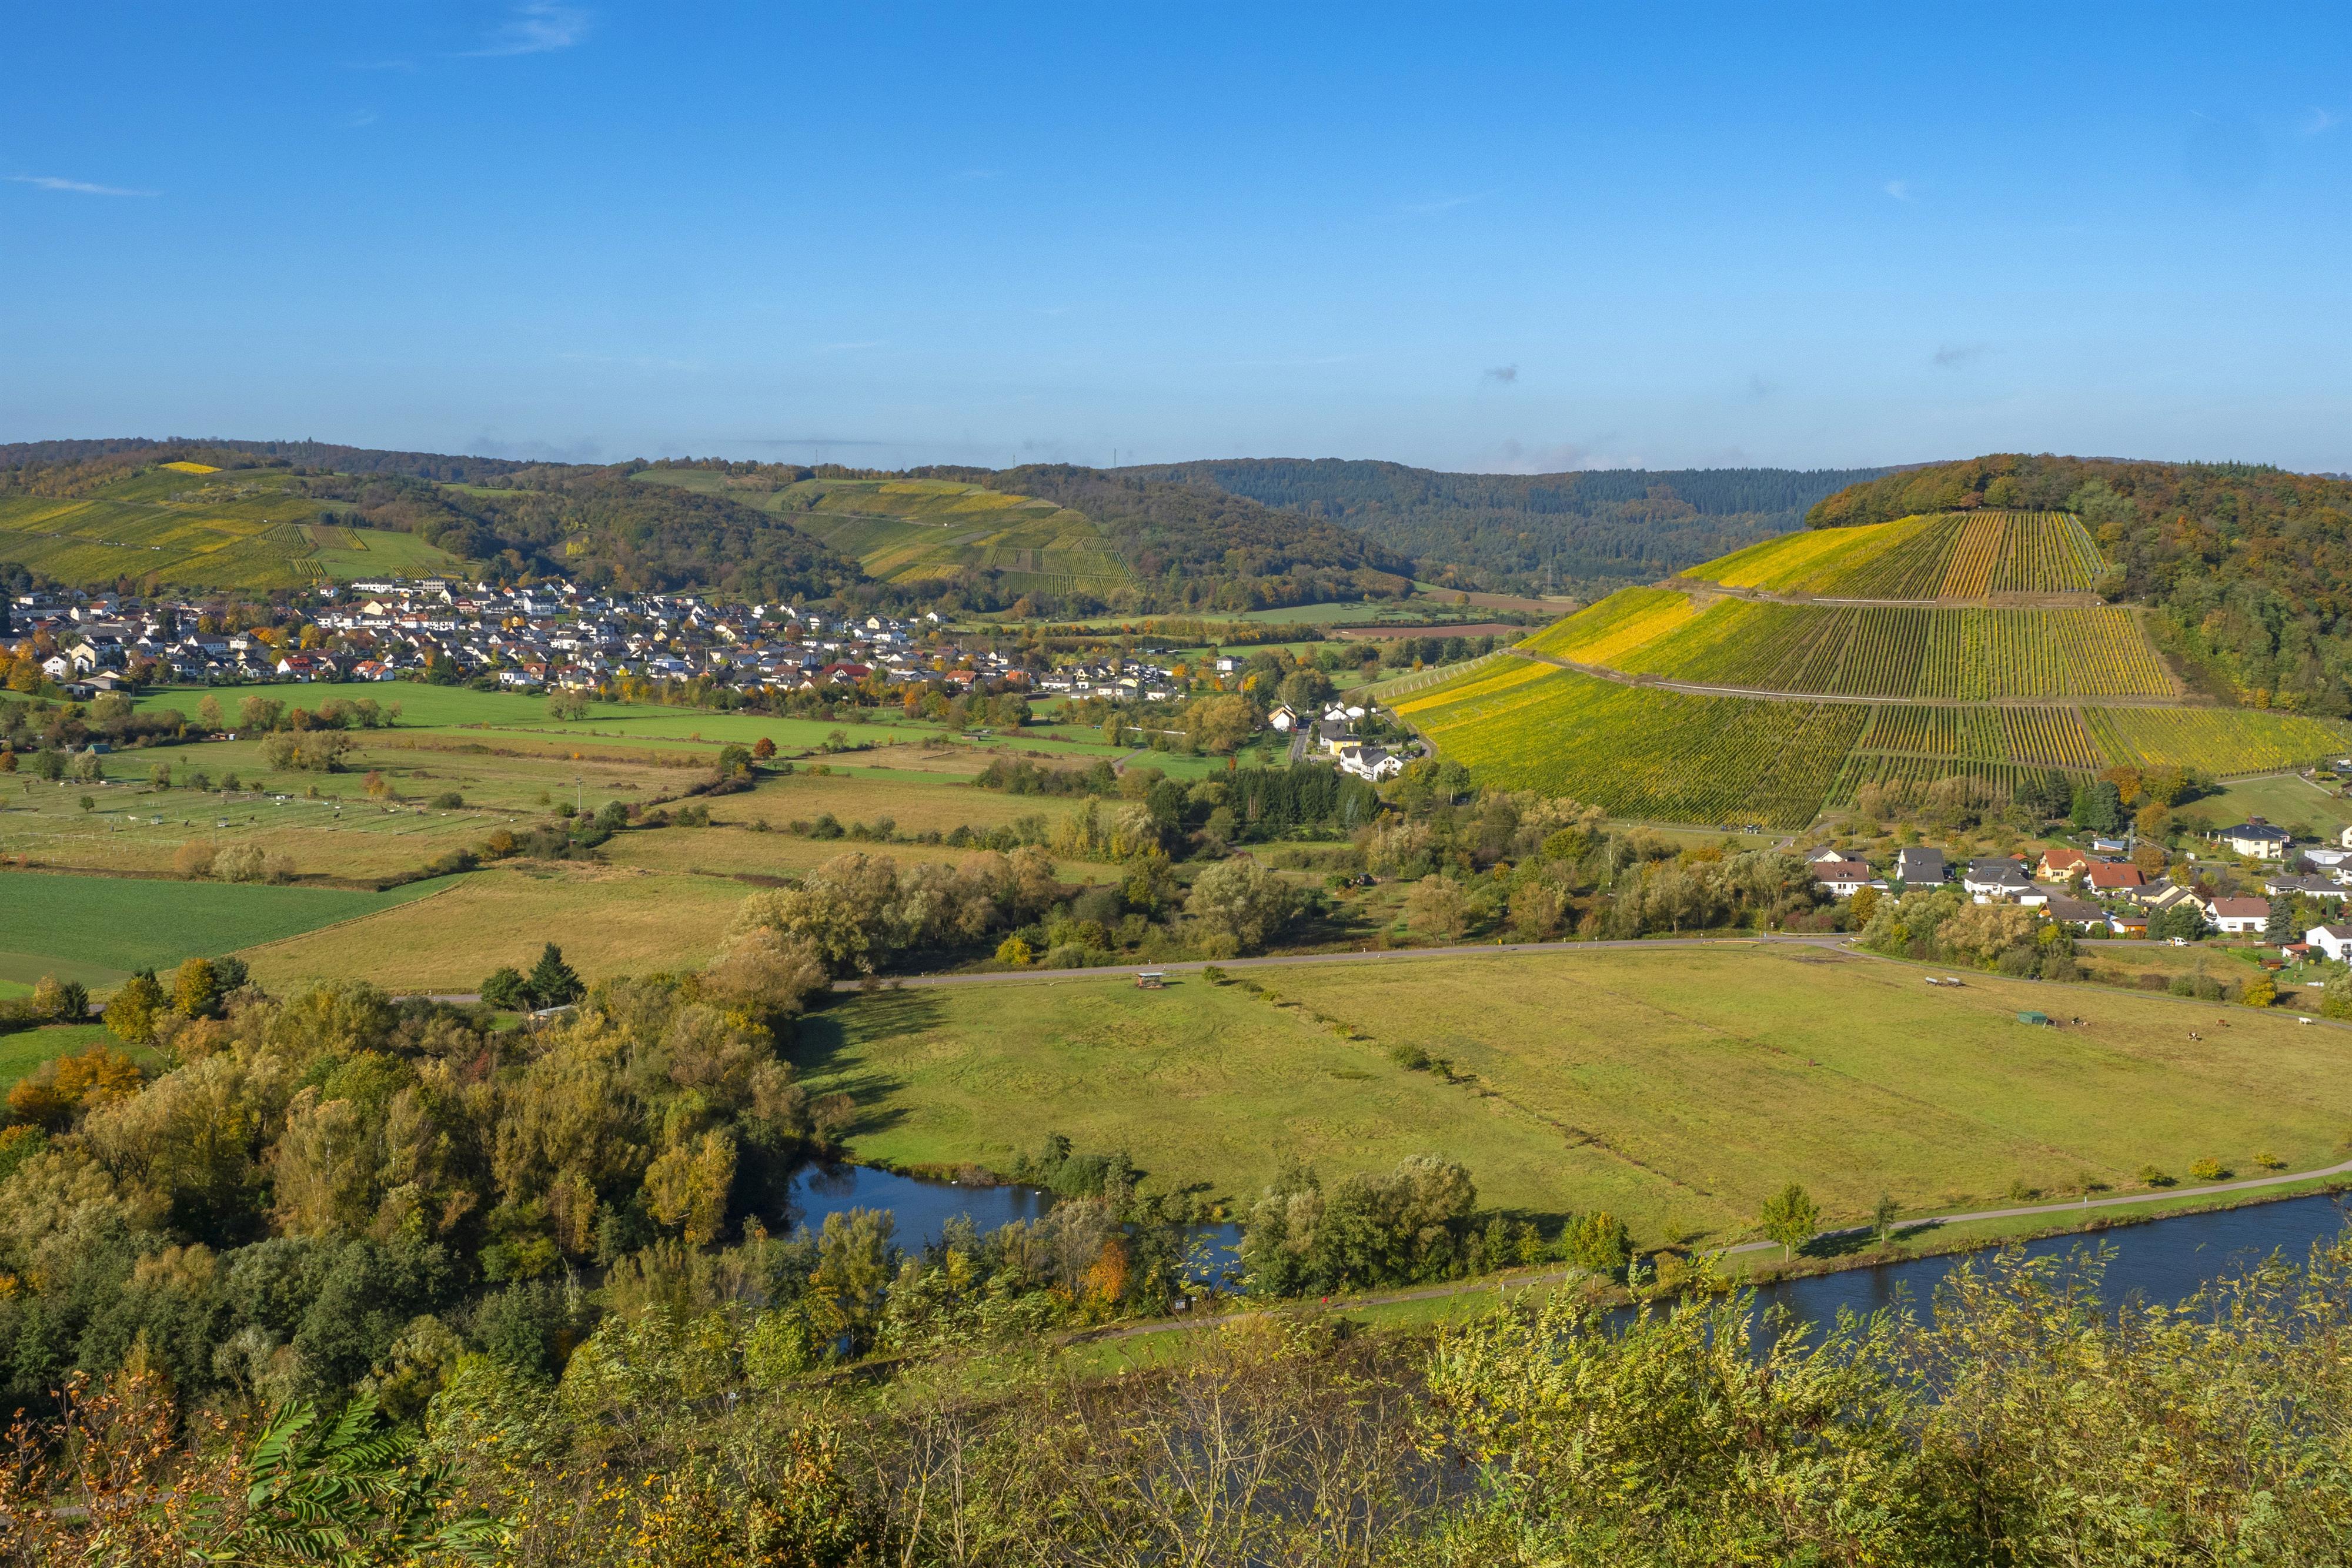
(2164, 1261)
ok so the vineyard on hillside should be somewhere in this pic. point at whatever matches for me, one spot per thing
(2020, 700)
(1896, 651)
(1646, 753)
(1643, 753)
(1949, 555)
(2219, 741)
(1600, 633)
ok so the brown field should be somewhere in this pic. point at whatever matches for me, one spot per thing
(607, 919)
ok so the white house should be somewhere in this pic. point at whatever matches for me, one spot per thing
(2256, 838)
(2335, 941)
(1991, 881)
(1843, 879)
(2239, 916)
(1283, 717)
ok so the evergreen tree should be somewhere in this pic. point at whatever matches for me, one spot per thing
(552, 981)
(2282, 927)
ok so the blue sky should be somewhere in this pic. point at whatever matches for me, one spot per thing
(1471, 237)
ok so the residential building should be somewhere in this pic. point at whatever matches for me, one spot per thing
(2068, 910)
(2335, 941)
(2060, 863)
(2256, 839)
(1920, 867)
(2110, 876)
(2239, 916)
(1997, 880)
(1843, 879)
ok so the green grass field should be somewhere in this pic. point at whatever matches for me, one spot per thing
(2306, 809)
(22, 1050)
(127, 923)
(1671, 1086)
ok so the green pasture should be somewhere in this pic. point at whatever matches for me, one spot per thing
(136, 922)
(1674, 1087)
(22, 1050)
(2306, 809)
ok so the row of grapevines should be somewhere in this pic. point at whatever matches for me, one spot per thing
(1934, 731)
(1903, 650)
(1639, 752)
(2054, 737)
(1601, 632)
(2219, 741)
(1951, 555)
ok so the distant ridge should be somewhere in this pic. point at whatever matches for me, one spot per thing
(1527, 532)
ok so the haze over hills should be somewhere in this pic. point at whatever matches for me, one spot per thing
(1528, 533)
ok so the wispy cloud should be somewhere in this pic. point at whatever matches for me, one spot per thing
(1442, 205)
(1952, 356)
(1760, 388)
(537, 27)
(2320, 121)
(849, 348)
(980, 173)
(1506, 375)
(1898, 189)
(358, 118)
(79, 187)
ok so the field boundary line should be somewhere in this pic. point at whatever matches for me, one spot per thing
(355, 919)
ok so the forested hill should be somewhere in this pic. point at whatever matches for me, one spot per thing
(1197, 546)
(1517, 531)
(2250, 568)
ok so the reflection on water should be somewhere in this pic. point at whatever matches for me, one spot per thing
(2163, 1261)
(924, 1207)
(2166, 1261)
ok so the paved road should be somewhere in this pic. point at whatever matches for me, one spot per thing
(1393, 955)
(1468, 950)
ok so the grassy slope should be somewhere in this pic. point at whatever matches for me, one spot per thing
(1676, 1084)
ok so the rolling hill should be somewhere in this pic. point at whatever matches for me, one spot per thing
(1786, 678)
(186, 524)
(908, 532)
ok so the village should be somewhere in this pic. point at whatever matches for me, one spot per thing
(558, 637)
(2250, 884)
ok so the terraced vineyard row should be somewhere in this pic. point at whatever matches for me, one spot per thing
(1960, 655)
(1599, 632)
(1639, 752)
(1956, 555)
(1884, 767)
(2219, 741)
